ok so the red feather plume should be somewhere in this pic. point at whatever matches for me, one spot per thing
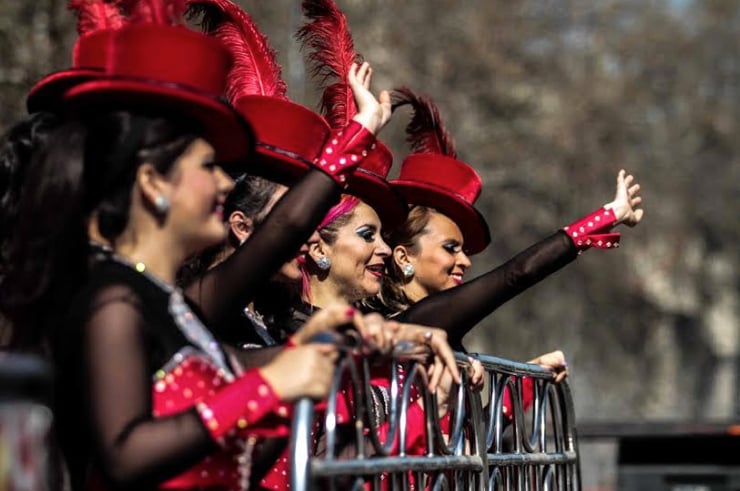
(255, 70)
(162, 12)
(331, 51)
(425, 132)
(94, 15)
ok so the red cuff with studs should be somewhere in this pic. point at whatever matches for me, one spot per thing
(240, 406)
(593, 231)
(344, 151)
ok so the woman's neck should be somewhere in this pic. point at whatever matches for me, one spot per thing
(414, 293)
(324, 293)
(160, 255)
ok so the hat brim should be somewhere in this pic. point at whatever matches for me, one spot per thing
(473, 226)
(48, 93)
(289, 136)
(225, 130)
(278, 166)
(387, 202)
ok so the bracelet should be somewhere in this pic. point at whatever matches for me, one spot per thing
(345, 151)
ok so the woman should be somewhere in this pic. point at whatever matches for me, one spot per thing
(286, 142)
(289, 141)
(146, 397)
(429, 260)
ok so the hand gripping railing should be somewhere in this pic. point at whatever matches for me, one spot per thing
(485, 449)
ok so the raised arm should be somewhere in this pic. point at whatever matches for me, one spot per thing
(459, 309)
(231, 285)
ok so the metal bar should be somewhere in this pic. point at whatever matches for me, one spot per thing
(394, 464)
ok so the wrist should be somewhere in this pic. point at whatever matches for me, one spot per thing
(344, 151)
(368, 121)
(272, 379)
(620, 212)
(593, 230)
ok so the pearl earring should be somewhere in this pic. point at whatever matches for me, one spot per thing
(408, 271)
(324, 263)
(161, 204)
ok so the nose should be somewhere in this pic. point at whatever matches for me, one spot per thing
(382, 250)
(223, 181)
(464, 261)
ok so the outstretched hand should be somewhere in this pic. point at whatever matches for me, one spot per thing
(372, 113)
(627, 200)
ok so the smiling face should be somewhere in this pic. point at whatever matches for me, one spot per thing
(198, 189)
(438, 258)
(357, 253)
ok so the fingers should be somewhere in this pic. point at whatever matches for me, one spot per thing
(359, 77)
(328, 319)
(555, 362)
(352, 75)
(386, 107)
(560, 376)
(372, 329)
(328, 351)
(476, 373)
(437, 372)
(368, 77)
(363, 72)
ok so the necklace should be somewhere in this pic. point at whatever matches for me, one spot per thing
(187, 322)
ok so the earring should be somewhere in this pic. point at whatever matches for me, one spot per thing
(408, 271)
(324, 263)
(161, 204)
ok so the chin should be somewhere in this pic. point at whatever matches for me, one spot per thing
(290, 273)
(370, 291)
(449, 285)
(213, 236)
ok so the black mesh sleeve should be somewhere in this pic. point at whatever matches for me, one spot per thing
(231, 285)
(133, 449)
(459, 309)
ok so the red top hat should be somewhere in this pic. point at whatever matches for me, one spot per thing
(433, 177)
(288, 136)
(97, 20)
(370, 185)
(331, 49)
(169, 68)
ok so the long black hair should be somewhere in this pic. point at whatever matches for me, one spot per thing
(17, 146)
(86, 166)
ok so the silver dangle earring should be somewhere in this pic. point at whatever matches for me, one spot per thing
(161, 204)
(408, 271)
(324, 263)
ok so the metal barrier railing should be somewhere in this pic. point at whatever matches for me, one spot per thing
(534, 450)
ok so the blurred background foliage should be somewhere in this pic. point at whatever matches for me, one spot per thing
(548, 100)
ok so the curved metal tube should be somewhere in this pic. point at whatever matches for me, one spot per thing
(526, 449)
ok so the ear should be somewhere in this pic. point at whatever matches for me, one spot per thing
(401, 256)
(317, 249)
(152, 184)
(241, 226)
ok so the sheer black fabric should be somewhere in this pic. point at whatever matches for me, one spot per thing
(227, 288)
(459, 309)
(118, 335)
